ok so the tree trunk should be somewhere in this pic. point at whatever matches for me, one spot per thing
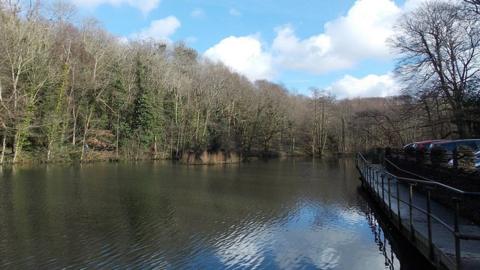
(117, 135)
(206, 125)
(293, 146)
(460, 123)
(155, 147)
(49, 151)
(85, 132)
(4, 146)
(344, 145)
(74, 130)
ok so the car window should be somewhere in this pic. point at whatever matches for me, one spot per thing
(450, 146)
(478, 145)
(471, 145)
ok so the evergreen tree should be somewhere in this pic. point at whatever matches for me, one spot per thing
(143, 114)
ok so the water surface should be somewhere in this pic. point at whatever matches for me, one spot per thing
(267, 215)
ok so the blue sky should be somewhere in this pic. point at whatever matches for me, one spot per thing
(335, 45)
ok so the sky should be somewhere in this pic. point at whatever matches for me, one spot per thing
(337, 45)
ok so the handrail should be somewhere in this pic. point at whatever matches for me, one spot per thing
(405, 171)
(425, 181)
(371, 176)
(448, 227)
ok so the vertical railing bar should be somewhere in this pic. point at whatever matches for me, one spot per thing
(383, 190)
(372, 180)
(378, 188)
(429, 223)
(389, 196)
(370, 183)
(373, 184)
(398, 206)
(410, 199)
(456, 221)
(365, 174)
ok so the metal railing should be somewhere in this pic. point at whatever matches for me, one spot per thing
(376, 178)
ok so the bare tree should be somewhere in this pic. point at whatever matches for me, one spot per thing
(474, 5)
(439, 51)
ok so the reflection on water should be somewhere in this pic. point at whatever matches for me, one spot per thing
(277, 214)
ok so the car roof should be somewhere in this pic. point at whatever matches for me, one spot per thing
(430, 141)
(445, 142)
(456, 141)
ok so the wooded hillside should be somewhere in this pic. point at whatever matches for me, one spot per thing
(75, 92)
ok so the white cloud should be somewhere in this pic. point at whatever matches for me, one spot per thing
(198, 13)
(359, 35)
(160, 30)
(368, 86)
(312, 54)
(235, 12)
(245, 55)
(143, 5)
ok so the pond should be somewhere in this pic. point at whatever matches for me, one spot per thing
(291, 214)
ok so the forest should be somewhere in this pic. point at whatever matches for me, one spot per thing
(74, 92)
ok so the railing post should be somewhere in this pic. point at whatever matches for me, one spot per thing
(371, 183)
(398, 207)
(389, 196)
(429, 222)
(410, 208)
(456, 221)
(369, 172)
(383, 189)
(378, 188)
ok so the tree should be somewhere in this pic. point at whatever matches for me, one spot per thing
(439, 48)
(474, 5)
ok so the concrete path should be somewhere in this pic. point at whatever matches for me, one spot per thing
(442, 238)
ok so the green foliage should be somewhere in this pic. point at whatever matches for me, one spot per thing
(144, 115)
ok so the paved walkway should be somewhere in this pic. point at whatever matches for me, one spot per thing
(442, 238)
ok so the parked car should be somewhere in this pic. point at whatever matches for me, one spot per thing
(421, 146)
(425, 145)
(450, 146)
